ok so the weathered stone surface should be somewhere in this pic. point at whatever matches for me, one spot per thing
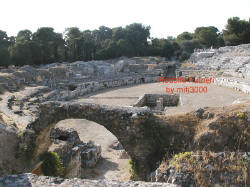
(233, 60)
(60, 75)
(75, 154)
(27, 179)
(135, 128)
(157, 101)
(115, 119)
(116, 145)
(65, 134)
(9, 162)
(90, 154)
(123, 154)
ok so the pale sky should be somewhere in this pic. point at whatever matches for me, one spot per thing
(166, 17)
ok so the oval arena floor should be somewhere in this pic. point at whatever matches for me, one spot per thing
(127, 96)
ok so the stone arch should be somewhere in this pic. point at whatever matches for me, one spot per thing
(128, 124)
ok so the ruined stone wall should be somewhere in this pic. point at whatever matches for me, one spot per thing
(10, 163)
(234, 83)
(168, 100)
(239, 84)
(233, 60)
(129, 125)
(61, 75)
(151, 99)
(93, 86)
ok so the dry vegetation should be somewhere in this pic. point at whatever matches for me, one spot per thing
(212, 146)
(187, 64)
(206, 166)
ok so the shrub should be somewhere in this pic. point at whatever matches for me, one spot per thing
(52, 164)
(241, 115)
(133, 169)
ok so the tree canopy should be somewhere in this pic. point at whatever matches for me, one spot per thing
(237, 31)
(46, 46)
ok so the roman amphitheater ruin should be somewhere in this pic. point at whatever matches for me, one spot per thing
(99, 116)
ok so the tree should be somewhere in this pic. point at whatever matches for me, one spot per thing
(118, 33)
(105, 33)
(137, 35)
(184, 36)
(237, 31)
(88, 45)
(49, 42)
(187, 47)
(163, 47)
(207, 36)
(4, 44)
(20, 53)
(24, 35)
(73, 38)
(124, 48)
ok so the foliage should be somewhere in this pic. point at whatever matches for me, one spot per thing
(46, 46)
(21, 134)
(4, 44)
(187, 47)
(134, 171)
(237, 31)
(241, 115)
(207, 36)
(52, 164)
(184, 36)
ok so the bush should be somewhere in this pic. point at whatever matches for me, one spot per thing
(133, 169)
(241, 115)
(52, 164)
(184, 56)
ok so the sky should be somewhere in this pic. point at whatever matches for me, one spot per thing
(166, 17)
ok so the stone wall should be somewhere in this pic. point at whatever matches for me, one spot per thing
(75, 154)
(93, 86)
(234, 83)
(233, 60)
(239, 84)
(10, 162)
(60, 75)
(150, 100)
